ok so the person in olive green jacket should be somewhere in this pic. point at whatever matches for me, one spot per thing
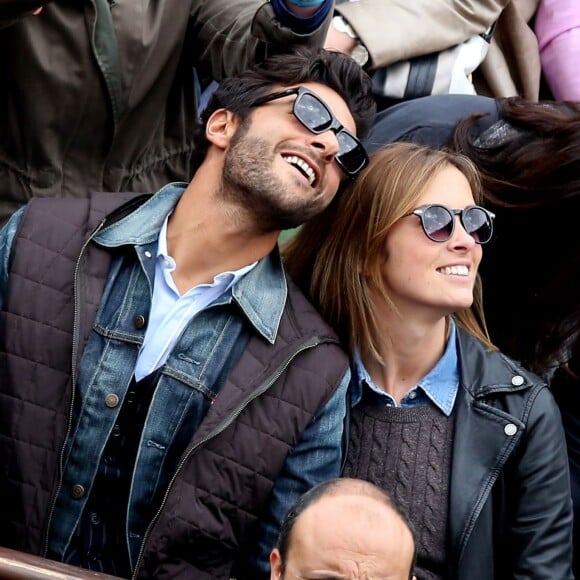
(99, 95)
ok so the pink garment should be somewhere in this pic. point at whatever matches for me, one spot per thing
(557, 27)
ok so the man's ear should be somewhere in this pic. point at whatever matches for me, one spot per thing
(275, 564)
(220, 127)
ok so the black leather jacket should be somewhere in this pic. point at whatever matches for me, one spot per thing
(510, 510)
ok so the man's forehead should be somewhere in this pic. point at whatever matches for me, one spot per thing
(332, 539)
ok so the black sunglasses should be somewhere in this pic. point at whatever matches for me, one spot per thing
(438, 222)
(317, 117)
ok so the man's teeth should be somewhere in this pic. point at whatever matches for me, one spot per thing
(303, 166)
(456, 270)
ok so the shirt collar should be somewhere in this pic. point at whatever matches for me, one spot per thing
(162, 251)
(166, 264)
(261, 293)
(440, 384)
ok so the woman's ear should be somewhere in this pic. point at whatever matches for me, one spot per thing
(220, 127)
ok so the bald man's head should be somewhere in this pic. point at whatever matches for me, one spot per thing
(344, 528)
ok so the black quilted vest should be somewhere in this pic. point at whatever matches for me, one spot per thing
(259, 417)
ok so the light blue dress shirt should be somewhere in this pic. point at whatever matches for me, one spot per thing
(171, 312)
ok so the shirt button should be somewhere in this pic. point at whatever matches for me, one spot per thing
(510, 429)
(130, 397)
(413, 395)
(95, 519)
(116, 431)
(139, 321)
(78, 491)
(517, 381)
(148, 254)
(111, 400)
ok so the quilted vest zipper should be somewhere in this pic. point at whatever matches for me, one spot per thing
(75, 352)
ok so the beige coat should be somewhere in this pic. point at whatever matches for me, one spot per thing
(512, 66)
(395, 30)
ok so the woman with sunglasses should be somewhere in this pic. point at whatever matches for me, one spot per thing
(469, 442)
(528, 156)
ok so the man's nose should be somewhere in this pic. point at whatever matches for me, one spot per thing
(327, 144)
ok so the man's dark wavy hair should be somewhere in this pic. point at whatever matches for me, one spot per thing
(337, 71)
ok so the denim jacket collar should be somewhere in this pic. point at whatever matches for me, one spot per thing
(261, 294)
(143, 225)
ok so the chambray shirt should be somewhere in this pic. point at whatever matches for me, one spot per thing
(438, 387)
(189, 381)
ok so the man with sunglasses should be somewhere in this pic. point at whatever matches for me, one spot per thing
(166, 392)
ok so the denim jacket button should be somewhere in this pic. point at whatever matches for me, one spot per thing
(139, 321)
(78, 491)
(111, 400)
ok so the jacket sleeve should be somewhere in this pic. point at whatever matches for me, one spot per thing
(316, 458)
(229, 35)
(394, 30)
(7, 234)
(557, 26)
(542, 527)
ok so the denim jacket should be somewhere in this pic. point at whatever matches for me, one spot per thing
(190, 380)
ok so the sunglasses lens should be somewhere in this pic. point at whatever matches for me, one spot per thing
(312, 113)
(437, 222)
(478, 224)
(352, 156)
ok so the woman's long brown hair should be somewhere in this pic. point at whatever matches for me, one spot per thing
(338, 256)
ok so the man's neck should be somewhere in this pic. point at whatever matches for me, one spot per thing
(205, 237)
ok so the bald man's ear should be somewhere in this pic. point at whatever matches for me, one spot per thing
(220, 127)
(275, 564)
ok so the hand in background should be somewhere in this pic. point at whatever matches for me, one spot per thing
(340, 41)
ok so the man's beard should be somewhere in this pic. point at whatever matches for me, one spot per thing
(250, 181)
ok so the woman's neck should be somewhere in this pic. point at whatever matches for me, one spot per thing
(409, 350)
